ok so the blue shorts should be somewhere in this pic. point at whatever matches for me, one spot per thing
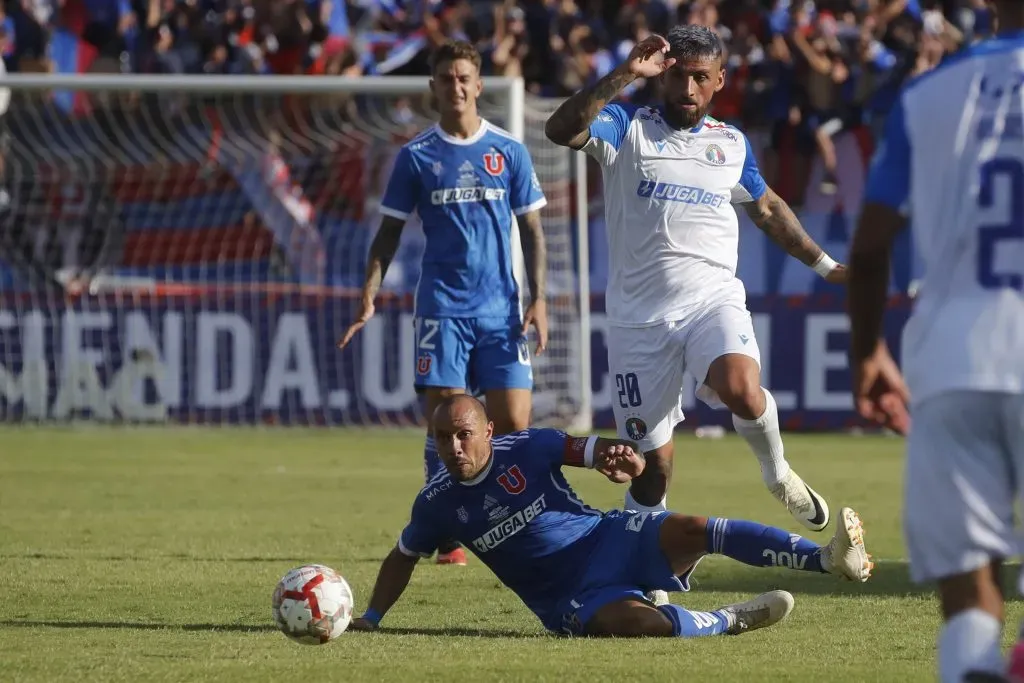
(472, 353)
(626, 563)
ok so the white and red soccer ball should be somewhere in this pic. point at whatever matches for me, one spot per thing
(312, 604)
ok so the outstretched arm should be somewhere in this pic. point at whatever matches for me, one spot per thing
(393, 577)
(773, 216)
(616, 459)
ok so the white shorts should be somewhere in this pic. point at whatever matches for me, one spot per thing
(647, 366)
(965, 459)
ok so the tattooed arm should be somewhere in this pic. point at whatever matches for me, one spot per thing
(535, 255)
(773, 216)
(569, 126)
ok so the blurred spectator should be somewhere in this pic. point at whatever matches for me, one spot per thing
(801, 71)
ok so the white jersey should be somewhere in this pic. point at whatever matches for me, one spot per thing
(673, 235)
(954, 147)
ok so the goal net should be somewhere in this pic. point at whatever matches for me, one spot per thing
(190, 250)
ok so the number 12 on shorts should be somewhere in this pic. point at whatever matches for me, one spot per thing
(629, 390)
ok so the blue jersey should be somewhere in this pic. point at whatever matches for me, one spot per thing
(520, 516)
(466, 192)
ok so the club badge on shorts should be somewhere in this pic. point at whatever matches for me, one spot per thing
(636, 428)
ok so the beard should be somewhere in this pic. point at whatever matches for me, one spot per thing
(680, 118)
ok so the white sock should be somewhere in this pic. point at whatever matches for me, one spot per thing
(633, 505)
(765, 439)
(970, 641)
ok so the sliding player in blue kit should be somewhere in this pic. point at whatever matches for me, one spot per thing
(581, 571)
(466, 178)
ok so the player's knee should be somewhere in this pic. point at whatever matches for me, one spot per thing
(683, 540)
(743, 395)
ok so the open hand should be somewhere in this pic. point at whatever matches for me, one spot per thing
(619, 462)
(537, 315)
(648, 58)
(879, 392)
(365, 313)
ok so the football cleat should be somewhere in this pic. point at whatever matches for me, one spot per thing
(845, 555)
(803, 502)
(763, 611)
(456, 557)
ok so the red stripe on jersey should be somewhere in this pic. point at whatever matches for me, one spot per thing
(575, 448)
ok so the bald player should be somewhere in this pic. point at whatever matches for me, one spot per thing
(579, 570)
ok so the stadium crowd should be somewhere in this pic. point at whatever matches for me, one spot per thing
(802, 70)
(798, 72)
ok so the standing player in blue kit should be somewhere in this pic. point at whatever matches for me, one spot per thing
(468, 179)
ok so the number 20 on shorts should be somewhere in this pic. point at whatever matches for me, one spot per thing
(629, 390)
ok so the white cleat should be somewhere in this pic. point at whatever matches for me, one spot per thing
(763, 611)
(845, 555)
(803, 502)
(659, 598)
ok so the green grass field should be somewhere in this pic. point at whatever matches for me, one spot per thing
(150, 555)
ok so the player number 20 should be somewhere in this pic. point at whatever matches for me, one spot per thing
(1009, 173)
(629, 390)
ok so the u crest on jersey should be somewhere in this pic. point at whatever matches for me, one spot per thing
(512, 480)
(494, 163)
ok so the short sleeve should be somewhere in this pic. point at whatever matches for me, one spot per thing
(751, 186)
(549, 445)
(525, 193)
(422, 534)
(403, 186)
(889, 175)
(608, 131)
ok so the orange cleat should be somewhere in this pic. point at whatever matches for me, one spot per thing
(457, 557)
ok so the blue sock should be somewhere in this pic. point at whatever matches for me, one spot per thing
(431, 460)
(687, 624)
(762, 546)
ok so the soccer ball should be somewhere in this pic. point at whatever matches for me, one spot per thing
(312, 604)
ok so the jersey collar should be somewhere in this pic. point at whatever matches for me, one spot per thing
(472, 139)
(483, 475)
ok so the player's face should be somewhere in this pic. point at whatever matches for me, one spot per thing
(689, 86)
(456, 85)
(463, 441)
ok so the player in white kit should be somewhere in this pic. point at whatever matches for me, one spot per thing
(953, 153)
(674, 303)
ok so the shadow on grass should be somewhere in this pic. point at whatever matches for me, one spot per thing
(227, 628)
(175, 557)
(460, 632)
(890, 578)
(266, 628)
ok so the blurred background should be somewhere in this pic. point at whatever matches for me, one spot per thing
(156, 204)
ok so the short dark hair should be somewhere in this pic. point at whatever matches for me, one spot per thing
(691, 41)
(452, 50)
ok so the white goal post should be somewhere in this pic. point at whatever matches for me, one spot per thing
(189, 248)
